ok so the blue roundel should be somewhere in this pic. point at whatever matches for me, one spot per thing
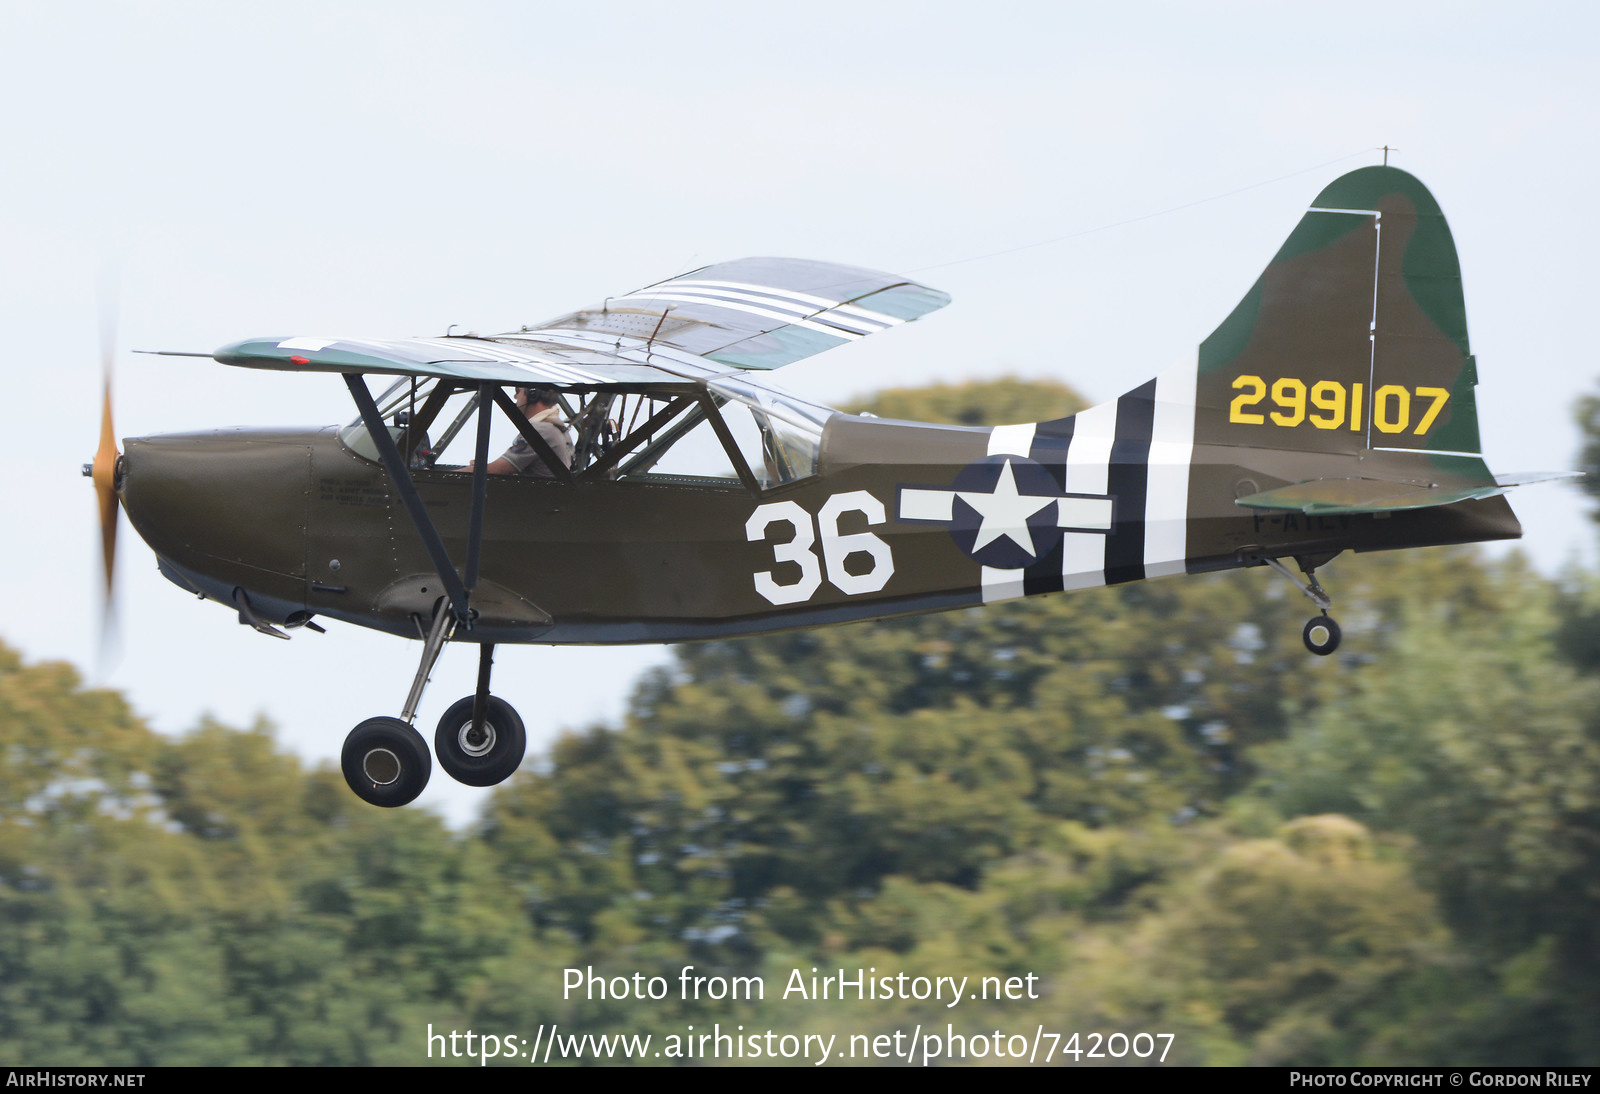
(1004, 512)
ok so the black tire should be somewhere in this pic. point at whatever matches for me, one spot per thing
(386, 762)
(1321, 635)
(487, 762)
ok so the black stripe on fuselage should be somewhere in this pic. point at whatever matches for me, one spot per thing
(1128, 480)
(1050, 443)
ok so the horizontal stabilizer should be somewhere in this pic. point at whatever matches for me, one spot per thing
(1525, 478)
(1334, 496)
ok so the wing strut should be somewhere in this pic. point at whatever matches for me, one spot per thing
(561, 471)
(396, 467)
(480, 487)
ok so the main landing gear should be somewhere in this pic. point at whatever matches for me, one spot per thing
(479, 742)
(1321, 634)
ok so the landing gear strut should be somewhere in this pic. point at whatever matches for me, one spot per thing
(480, 740)
(1321, 634)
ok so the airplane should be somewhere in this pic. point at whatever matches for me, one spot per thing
(1333, 410)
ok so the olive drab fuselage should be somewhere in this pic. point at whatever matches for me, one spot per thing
(304, 525)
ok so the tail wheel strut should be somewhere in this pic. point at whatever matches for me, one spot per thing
(1321, 634)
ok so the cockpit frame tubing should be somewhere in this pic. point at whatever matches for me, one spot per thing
(561, 471)
(635, 438)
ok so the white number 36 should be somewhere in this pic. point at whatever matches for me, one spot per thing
(836, 548)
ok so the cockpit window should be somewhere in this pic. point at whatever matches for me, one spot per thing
(446, 419)
(780, 435)
(660, 435)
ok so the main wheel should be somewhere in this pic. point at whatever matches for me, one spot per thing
(1321, 635)
(386, 762)
(485, 758)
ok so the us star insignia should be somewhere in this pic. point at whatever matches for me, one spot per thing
(1006, 511)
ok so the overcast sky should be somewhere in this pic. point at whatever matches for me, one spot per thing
(389, 169)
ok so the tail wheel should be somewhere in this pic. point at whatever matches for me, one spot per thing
(1321, 635)
(488, 756)
(386, 762)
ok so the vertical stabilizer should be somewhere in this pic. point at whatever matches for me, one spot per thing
(1355, 336)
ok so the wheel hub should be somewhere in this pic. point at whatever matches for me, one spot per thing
(381, 766)
(477, 744)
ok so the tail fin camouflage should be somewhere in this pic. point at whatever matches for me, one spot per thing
(1354, 342)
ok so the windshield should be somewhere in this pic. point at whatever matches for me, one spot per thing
(780, 435)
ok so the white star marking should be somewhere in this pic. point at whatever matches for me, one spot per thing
(1005, 512)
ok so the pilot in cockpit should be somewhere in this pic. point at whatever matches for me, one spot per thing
(543, 407)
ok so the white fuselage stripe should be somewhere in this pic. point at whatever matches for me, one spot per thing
(1083, 555)
(1007, 440)
(1002, 584)
(1166, 505)
(1012, 440)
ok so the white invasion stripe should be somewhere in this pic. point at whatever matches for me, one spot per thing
(1089, 514)
(1166, 505)
(814, 302)
(765, 313)
(562, 372)
(468, 356)
(1002, 584)
(794, 311)
(882, 318)
(455, 351)
(632, 352)
(552, 373)
(1083, 555)
(927, 505)
(780, 299)
(799, 311)
(811, 303)
(1012, 440)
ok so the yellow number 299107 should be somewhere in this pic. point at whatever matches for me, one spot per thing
(1329, 400)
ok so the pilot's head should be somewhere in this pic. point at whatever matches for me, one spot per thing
(536, 398)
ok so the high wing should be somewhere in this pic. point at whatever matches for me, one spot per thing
(753, 313)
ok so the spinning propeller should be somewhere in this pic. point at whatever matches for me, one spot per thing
(104, 473)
